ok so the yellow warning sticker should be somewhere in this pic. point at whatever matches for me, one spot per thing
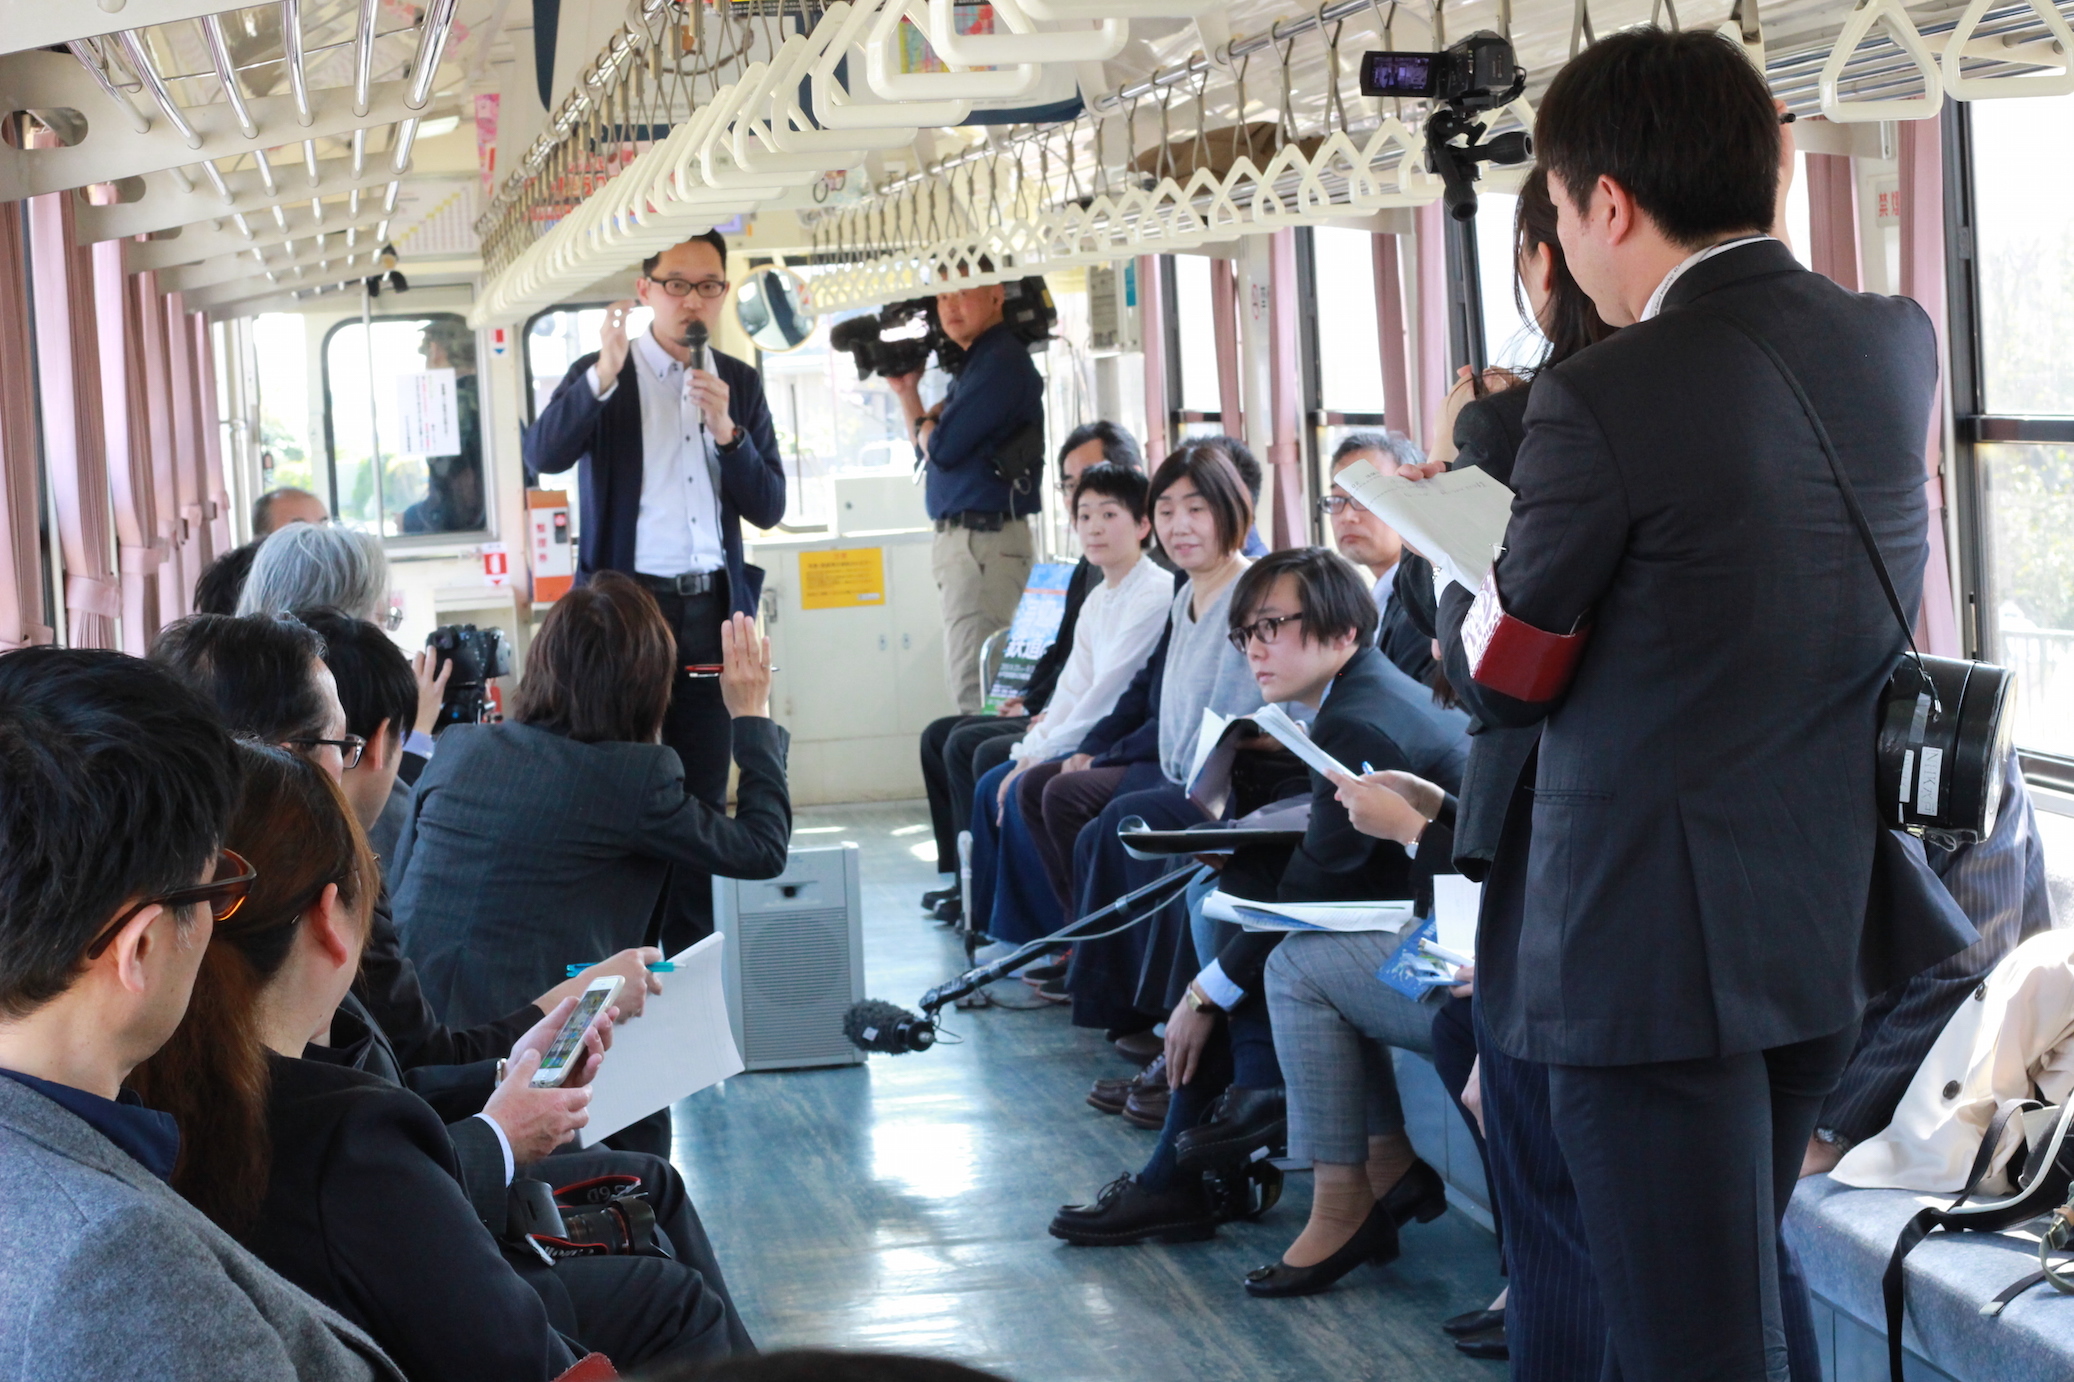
(842, 579)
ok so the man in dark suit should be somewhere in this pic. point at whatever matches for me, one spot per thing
(1686, 958)
(675, 453)
(1363, 537)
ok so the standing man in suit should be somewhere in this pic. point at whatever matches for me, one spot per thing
(983, 546)
(676, 452)
(1686, 958)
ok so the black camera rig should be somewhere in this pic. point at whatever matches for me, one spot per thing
(904, 335)
(1470, 78)
(479, 656)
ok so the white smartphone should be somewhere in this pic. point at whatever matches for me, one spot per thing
(567, 1047)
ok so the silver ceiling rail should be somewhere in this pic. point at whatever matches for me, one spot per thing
(140, 62)
(363, 55)
(432, 33)
(298, 67)
(219, 57)
(90, 57)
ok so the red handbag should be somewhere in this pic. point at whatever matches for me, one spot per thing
(1513, 657)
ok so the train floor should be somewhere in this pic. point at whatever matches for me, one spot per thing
(901, 1205)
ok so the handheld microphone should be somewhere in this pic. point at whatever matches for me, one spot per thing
(695, 336)
(874, 1025)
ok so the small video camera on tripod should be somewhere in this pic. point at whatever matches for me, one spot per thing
(1472, 77)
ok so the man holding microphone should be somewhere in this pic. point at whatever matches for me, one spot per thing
(676, 449)
(994, 410)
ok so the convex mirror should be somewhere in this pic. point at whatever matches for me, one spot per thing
(775, 308)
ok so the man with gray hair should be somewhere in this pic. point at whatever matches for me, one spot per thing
(303, 566)
(1362, 537)
(278, 508)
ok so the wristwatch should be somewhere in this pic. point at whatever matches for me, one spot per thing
(1200, 1001)
(503, 1068)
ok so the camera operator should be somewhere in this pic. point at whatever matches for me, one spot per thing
(675, 454)
(1684, 963)
(983, 547)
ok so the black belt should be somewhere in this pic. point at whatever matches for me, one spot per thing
(688, 583)
(976, 520)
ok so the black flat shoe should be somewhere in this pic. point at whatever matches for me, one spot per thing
(1241, 1123)
(1488, 1344)
(931, 899)
(1126, 1212)
(1474, 1322)
(950, 911)
(1420, 1194)
(1375, 1241)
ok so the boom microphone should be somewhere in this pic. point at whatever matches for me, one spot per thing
(874, 1025)
(695, 336)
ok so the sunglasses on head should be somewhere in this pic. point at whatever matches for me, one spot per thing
(224, 893)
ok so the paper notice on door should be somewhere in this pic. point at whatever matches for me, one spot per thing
(1456, 520)
(428, 411)
(680, 1044)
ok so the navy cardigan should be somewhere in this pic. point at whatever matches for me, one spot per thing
(605, 440)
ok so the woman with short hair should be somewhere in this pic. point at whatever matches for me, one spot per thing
(308, 566)
(547, 840)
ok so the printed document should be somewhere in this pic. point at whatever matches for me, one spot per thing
(1456, 520)
(680, 1044)
(1307, 916)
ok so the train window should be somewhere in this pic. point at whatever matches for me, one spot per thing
(2024, 210)
(1350, 345)
(1195, 338)
(403, 425)
(2028, 495)
(1511, 339)
(829, 423)
(280, 357)
(558, 338)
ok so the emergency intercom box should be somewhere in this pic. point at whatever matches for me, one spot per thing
(553, 545)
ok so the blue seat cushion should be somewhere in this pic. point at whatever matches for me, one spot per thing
(1845, 1236)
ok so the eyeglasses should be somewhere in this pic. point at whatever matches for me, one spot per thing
(1333, 504)
(349, 748)
(225, 894)
(708, 288)
(1266, 630)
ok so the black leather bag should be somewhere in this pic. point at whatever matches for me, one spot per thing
(1944, 725)
(1020, 459)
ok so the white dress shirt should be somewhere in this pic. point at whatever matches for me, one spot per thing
(1656, 299)
(1385, 591)
(1118, 628)
(678, 528)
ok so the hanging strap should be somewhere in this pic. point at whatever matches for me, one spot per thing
(1843, 481)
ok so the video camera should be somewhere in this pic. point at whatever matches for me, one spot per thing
(478, 657)
(904, 335)
(1475, 75)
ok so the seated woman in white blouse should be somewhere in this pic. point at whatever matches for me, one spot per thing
(1118, 628)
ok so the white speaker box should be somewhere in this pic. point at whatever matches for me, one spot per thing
(794, 959)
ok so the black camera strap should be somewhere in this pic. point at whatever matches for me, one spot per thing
(1843, 483)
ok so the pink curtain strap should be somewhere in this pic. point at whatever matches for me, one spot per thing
(92, 595)
(1833, 218)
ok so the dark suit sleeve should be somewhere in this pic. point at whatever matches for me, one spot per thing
(436, 1291)
(678, 827)
(388, 986)
(479, 1160)
(1115, 738)
(753, 473)
(1567, 535)
(561, 435)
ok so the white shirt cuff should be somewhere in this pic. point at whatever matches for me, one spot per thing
(1219, 989)
(598, 385)
(510, 1168)
(420, 743)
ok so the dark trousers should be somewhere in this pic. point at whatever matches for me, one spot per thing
(1454, 1056)
(1066, 803)
(1106, 976)
(637, 1311)
(1683, 1170)
(697, 726)
(676, 1218)
(947, 752)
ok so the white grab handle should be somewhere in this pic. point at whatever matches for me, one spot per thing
(1965, 88)
(1903, 30)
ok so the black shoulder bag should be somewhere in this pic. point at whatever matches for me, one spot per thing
(1943, 727)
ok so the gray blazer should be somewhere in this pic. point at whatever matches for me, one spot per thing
(111, 1274)
(527, 852)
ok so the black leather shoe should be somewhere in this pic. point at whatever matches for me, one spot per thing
(1241, 1122)
(951, 910)
(1489, 1344)
(1110, 1096)
(1044, 974)
(1474, 1322)
(1126, 1212)
(1374, 1241)
(930, 900)
(1421, 1194)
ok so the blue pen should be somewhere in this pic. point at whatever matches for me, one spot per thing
(659, 967)
(1366, 767)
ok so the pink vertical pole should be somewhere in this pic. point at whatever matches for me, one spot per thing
(138, 552)
(175, 577)
(1224, 321)
(187, 450)
(1922, 278)
(1389, 322)
(1431, 333)
(216, 494)
(1152, 331)
(22, 616)
(1285, 395)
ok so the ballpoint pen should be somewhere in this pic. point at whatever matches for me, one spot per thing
(707, 669)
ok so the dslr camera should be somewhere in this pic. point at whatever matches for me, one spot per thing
(478, 656)
(1478, 74)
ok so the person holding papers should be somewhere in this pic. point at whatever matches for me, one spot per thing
(1307, 625)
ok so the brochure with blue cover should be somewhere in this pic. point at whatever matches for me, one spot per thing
(1412, 972)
